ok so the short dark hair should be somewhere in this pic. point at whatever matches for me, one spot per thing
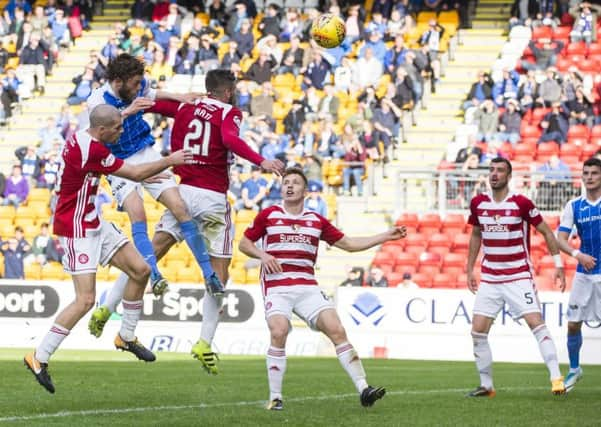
(593, 161)
(219, 80)
(124, 67)
(296, 171)
(503, 160)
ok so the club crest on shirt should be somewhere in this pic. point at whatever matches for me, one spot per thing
(296, 228)
(497, 218)
(108, 161)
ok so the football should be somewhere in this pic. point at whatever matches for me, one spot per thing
(328, 30)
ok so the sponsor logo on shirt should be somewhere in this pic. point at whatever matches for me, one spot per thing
(108, 161)
(495, 228)
(295, 238)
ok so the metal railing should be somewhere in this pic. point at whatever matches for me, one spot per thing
(448, 191)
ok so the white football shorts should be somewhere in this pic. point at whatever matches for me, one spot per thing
(585, 298)
(212, 212)
(306, 301)
(122, 187)
(520, 297)
(84, 254)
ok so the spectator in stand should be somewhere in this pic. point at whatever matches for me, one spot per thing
(487, 117)
(480, 91)
(234, 192)
(236, 19)
(528, 91)
(262, 104)
(407, 282)
(556, 184)
(207, 55)
(274, 192)
(270, 24)
(395, 56)
(12, 6)
(343, 76)
(354, 277)
(39, 246)
(161, 33)
(4, 56)
(549, 91)
(474, 182)
(291, 25)
(296, 52)
(431, 39)
(580, 109)
(270, 43)
(326, 141)
(171, 52)
(142, 9)
(24, 35)
(243, 96)
(231, 56)
(294, 119)
(317, 73)
(509, 123)
(555, 125)
(261, 70)
(30, 164)
(159, 67)
(312, 168)
(585, 22)
(8, 97)
(32, 66)
(16, 189)
(354, 158)
(307, 138)
(354, 25)
(404, 94)
(253, 192)
(376, 278)
(506, 88)
(386, 120)
(13, 259)
(367, 70)
(377, 46)
(218, 16)
(174, 20)
(60, 29)
(329, 104)
(111, 48)
(245, 39)
(545, 57)
(51, 165)
(16, 22)
(314, 202)
(187, 56)
(2, 187)
(48, 135)
(84, 83)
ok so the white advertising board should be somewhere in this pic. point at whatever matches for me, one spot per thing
(380, 322)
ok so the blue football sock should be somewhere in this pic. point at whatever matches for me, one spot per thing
(197, 246)
(574, 344)
(139, 232)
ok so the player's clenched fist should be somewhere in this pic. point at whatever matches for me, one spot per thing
(399, 232)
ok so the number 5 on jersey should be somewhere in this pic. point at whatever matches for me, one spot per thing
(192, 140)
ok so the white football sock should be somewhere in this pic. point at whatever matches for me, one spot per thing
(483, 357)
(210, 318)
(51, 342)
(129, 320)
(547, 350)
(276, 368)
(352, 365)
(115, 295)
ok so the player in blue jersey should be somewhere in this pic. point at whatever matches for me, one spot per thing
(128, 91)
(584, 214)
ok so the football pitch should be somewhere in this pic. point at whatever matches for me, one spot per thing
(109, 388)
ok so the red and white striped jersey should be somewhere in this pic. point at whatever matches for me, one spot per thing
(293, 240)
(82, 162)
(505, 236)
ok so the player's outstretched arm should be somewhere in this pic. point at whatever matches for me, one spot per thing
(587, 261)
(355, 244)
(268, 262)
(186, 98)
(474, 249)
(146, 170)
(553, 247)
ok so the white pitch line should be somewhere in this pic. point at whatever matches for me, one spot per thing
(108, 411)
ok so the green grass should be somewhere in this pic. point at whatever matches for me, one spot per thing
(108, 388)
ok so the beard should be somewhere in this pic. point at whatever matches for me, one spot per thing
(125, 95)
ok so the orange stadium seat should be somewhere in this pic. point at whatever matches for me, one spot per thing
(461, 243)
(439, 240)
(406, 259)
(423, 280)
(542, 32)
(444, 280)
(578, 131)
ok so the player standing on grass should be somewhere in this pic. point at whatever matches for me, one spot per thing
(128, 91)
(290, 239)
(89, 241)
(584, 213)
(209, 128)
(500, 223)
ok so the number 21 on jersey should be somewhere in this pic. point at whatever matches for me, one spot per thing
(198, 137)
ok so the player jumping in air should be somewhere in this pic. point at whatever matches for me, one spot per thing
(89, 241)
(500, 224)
(584, 213)
(129, 92)
(209, 128)
(290, 238)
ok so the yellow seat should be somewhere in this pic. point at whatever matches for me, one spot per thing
(238, 276)
(25, 212)
(170, 274)
(102, 274)
(448, 19)
(245, 216)
(425, 16)
(190, 275)
(53, 271)
(252, 275)
(38, 194)
(286, 80)
(42, 207)
(33, 271)
(26, 223)
(7, 212)
(177, 264)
